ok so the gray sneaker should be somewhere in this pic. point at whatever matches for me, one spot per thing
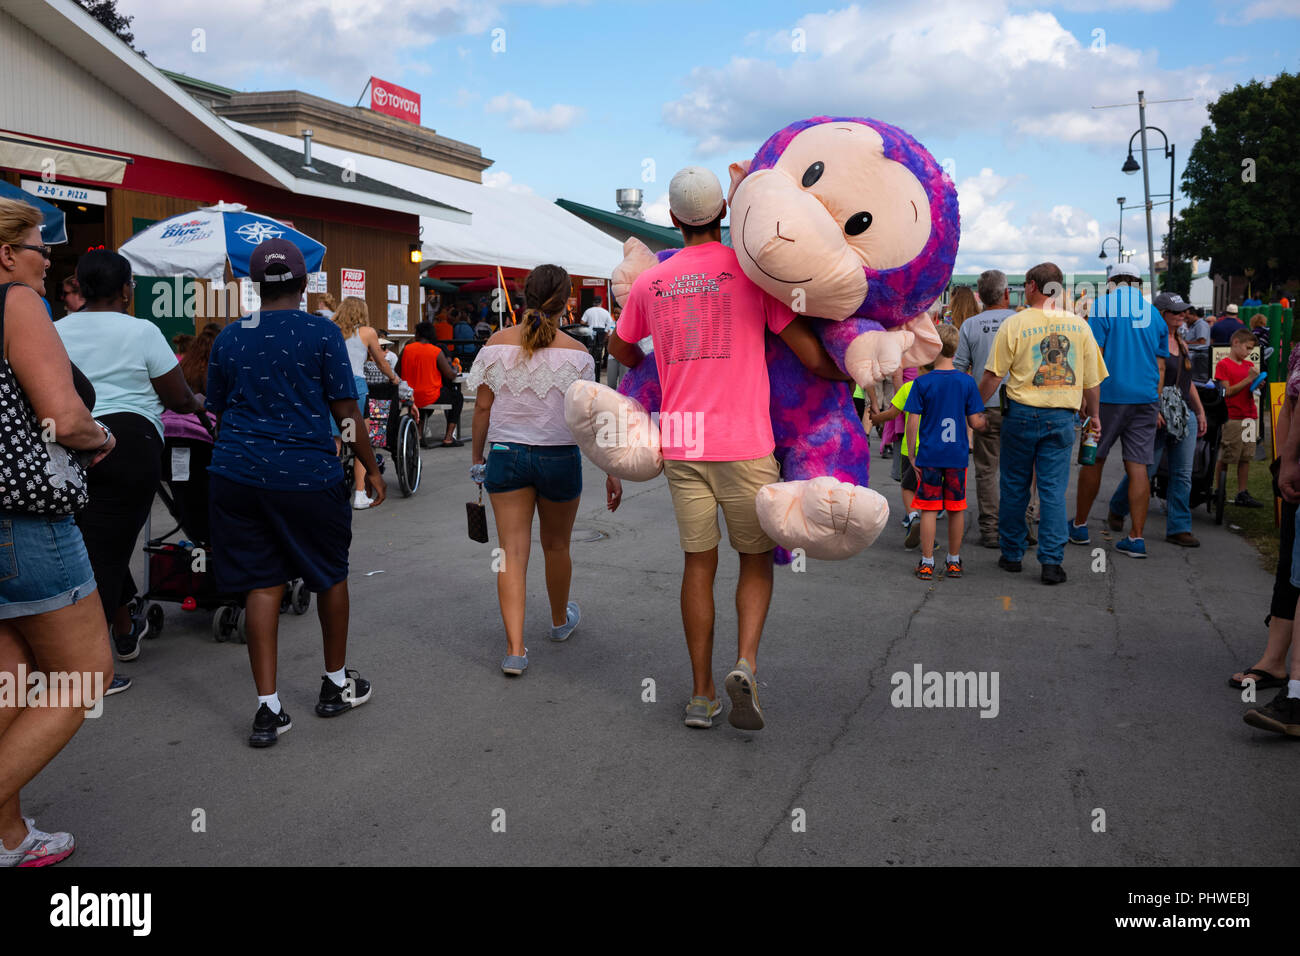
(562, 632)
(515, 664)
(742, 688)
(701, 711)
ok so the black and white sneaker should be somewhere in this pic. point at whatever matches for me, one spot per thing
(335, 700)
(267, 727)
(127, 646)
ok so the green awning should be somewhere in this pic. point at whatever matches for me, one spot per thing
(645, 231)
(437, 285)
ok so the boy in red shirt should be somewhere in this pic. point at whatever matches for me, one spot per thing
(1237, 375)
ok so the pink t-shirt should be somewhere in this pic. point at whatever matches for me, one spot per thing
(707, 320)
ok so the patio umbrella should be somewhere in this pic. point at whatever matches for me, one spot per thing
(198, 244)
(53, 230)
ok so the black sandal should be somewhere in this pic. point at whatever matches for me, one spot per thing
(1263, 680)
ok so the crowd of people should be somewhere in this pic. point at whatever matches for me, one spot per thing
(87, 403)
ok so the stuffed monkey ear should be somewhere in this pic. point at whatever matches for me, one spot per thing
(738, 172)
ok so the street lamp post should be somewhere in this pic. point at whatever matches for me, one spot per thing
(1119, 247)
(1120, 200)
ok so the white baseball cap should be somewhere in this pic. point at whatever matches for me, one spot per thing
(695, 196)
(1232, 310)
(1123, 269)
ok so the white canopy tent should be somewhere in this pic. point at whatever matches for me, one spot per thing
(516, 230)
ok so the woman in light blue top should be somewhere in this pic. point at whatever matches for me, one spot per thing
(135, 376)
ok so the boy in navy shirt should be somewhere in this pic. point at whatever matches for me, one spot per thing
(278, 501)
(947, 401)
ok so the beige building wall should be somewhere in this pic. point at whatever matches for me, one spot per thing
(47, 94)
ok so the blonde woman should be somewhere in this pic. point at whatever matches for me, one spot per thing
(533, 464)
(964, 305)
(353, 320)
(51, 618)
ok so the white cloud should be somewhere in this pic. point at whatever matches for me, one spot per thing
(947, 68)
(334, 44)
(657, 211)
(1262, 10)
(528, 118)
(991, 238)
(498, 179)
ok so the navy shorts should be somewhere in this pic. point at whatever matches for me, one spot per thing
(554, 470)
(264, 537)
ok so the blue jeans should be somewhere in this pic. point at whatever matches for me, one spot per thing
(1035, 442)
(1179, 500)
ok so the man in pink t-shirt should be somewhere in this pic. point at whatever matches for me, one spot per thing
(708, 323)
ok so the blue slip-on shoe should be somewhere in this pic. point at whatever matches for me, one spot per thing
(1133, 547)
(562, 632)
(515, 664)
(1079, 533)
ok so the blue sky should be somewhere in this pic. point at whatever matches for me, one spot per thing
(583, 94)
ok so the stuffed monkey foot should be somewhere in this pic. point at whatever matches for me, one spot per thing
(827, 518)
(615, 432)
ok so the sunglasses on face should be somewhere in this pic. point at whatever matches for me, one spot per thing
(43, 250)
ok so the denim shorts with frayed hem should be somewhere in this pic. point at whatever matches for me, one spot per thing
(43, 564)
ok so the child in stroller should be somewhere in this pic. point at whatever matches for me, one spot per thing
(178, 571)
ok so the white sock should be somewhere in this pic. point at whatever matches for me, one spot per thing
(271, 700)
(914, 514)
(1293, 689)
(955, 558)
(339, 677)
(928, 562)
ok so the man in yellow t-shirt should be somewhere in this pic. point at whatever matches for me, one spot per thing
(1053, 367)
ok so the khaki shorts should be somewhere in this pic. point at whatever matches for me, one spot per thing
(1231, 448)
(699, 487)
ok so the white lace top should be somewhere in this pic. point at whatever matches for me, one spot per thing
(528, 402)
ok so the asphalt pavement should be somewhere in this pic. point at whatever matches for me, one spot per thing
(1114, 739)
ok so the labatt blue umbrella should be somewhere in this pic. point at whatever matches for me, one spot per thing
(198, 244)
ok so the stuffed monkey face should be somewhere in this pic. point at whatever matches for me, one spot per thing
(831, 210)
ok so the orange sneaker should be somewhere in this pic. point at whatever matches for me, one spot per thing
(952, 569)
(925, 571)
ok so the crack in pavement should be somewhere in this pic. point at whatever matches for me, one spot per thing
(846, 722)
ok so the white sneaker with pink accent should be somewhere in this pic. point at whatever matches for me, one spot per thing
(39, 849)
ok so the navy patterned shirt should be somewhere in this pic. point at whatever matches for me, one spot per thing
(271, 378)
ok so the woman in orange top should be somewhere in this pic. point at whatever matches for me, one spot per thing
(425, 368)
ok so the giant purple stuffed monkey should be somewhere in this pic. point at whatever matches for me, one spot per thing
(847, 219)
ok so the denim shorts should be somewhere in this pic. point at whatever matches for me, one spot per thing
(43, 564)
(363, 391)
(554, 470)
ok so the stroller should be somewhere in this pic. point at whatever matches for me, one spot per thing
(179, 571)
(1205, 460)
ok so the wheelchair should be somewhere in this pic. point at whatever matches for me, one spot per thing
(392, 429)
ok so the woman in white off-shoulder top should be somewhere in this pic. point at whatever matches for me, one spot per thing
(531, 459)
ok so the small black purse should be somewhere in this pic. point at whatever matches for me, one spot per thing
(476, 516)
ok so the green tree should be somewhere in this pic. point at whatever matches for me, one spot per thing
(1243, 180)
(1177, 278)
(105, 11)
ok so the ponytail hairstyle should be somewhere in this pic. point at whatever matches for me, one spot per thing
(546, 296)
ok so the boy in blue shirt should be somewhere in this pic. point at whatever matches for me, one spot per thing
(278, 501)
(946, 401)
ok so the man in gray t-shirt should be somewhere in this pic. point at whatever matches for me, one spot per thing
(974, 342)
(1195, 331)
